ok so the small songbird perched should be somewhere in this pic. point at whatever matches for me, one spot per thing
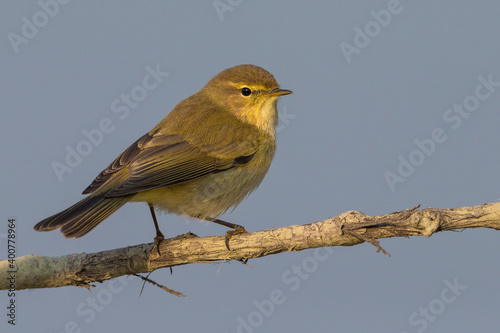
(203, 158)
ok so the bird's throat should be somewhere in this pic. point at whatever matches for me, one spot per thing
(264, 117)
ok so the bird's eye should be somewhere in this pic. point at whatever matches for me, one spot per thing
(246, 91)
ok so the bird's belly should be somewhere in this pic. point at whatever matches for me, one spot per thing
(208, 196)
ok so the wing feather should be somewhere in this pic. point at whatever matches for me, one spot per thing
(159, 159)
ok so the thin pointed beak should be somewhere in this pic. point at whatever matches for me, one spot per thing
(279, 92)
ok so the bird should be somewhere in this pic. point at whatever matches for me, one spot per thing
(208, 154)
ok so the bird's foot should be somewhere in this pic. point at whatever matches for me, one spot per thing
(159, 237)
(231, 233)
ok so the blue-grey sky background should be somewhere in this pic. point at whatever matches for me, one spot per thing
(352, 119)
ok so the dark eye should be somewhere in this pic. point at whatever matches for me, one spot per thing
(246, 91)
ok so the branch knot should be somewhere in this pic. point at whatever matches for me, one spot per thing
(427, 221)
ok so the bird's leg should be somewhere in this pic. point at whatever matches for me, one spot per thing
(159, 236)
(238, 229)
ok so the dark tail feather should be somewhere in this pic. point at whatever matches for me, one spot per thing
(83, 216)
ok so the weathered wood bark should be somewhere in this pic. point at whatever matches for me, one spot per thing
(347, 229)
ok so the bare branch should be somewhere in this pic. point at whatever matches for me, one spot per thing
(347, 229)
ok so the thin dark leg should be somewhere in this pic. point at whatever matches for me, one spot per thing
(238, 229)
(159, 236)
(221, 222)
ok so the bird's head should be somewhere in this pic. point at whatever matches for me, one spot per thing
(249, 92)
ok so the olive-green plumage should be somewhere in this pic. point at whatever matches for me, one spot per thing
(203, 158)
